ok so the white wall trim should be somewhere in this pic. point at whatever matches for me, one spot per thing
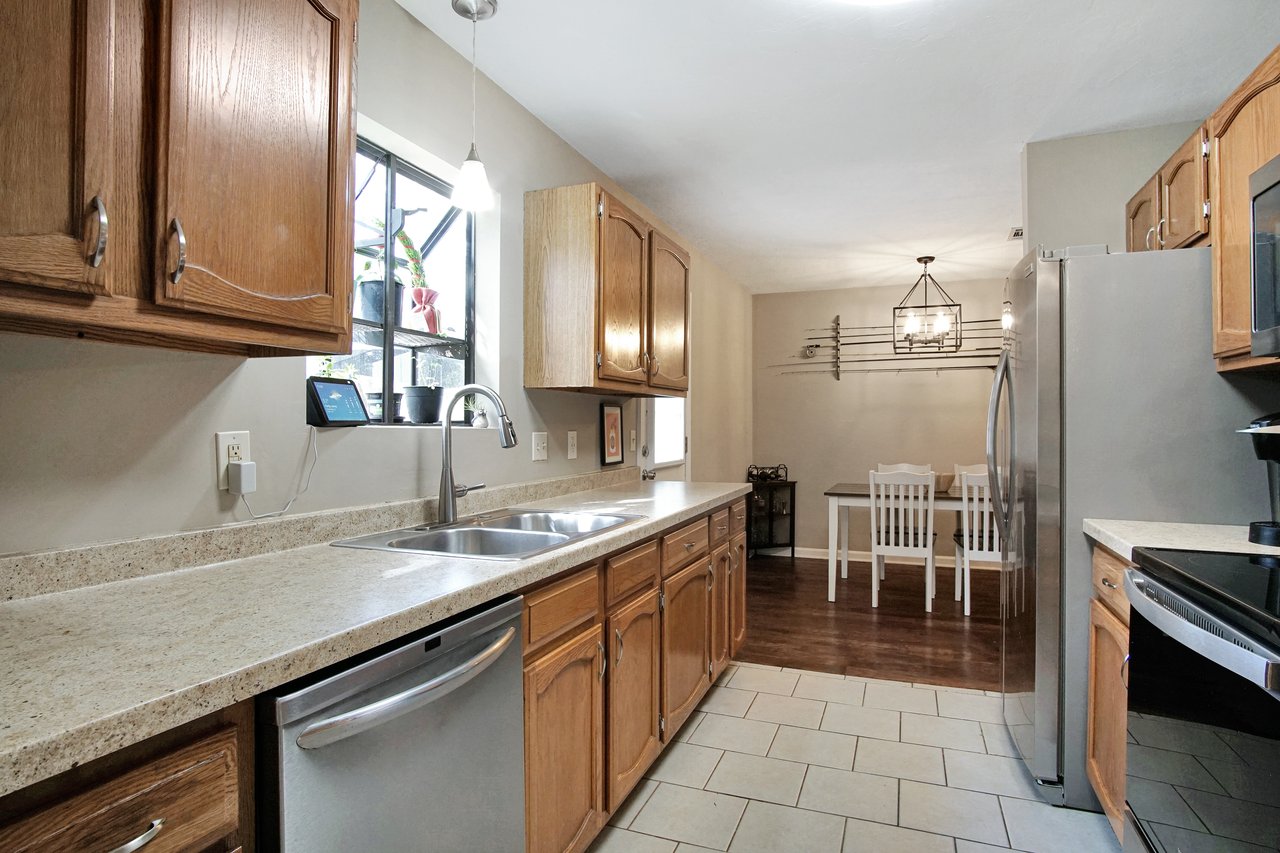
(947, 561)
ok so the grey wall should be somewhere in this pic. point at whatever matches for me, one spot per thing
(1075, 189)
(108, 442)
(827, 431)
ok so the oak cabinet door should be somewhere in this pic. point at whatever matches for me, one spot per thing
(737, 593)
(253, 206)
(56, 138)
(685, 643)
(718, 612)
(1141, 215)
(1245, 135)
(1108, 711)
(624, 292)
(564, 744)
(668, 314)
(1184, 191)
(634, 694)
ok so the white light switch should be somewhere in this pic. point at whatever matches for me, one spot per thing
(573, 444)
(633, 441)
(539, 447)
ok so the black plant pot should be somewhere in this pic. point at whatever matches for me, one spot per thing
(422, 403)
(370, 304)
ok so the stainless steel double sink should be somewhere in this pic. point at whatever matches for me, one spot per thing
(509, 534)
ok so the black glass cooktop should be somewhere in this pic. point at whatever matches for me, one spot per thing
(1243, 589)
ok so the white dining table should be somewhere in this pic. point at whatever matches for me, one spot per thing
(840, 499)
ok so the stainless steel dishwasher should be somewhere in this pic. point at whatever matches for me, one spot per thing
(416, 748)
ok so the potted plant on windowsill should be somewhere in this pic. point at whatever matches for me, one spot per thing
(422, 402)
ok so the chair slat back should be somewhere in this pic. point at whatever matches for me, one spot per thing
(902, 510)
(978, 515)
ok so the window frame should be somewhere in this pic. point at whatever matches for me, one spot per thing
(395, 165)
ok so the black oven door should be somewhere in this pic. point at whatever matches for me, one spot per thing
(1203, 760)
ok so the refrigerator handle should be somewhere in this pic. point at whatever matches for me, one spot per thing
(1001, 379)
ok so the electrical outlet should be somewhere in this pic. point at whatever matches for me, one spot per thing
(539, 447)
(633, 441)
(230, 446)
(573, 444)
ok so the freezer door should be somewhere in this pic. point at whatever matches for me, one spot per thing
(1030, 597)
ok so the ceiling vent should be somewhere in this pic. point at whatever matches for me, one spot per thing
(1015, 233)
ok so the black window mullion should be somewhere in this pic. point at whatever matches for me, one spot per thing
(389, 299)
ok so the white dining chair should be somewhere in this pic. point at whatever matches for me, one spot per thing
(902, 525)
(978, 539)
(902, 468)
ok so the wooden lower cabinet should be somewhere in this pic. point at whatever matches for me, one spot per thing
(737, 593)
(634, 697)
(564, 744)
(685, 643)
(718, 613)
(1108, 711)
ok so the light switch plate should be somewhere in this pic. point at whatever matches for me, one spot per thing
(573, 444)
(633, 441)
(539, 447)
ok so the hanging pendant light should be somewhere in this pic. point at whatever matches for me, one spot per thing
(472, 191)
(927, 326)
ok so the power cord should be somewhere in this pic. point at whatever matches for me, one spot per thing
(315, 458)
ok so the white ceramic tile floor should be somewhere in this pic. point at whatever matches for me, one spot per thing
(813, 767)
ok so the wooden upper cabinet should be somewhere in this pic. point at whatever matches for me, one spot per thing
(605, 297)
(564, 744)
(668, 314)
(1184, 194)
(253, 195)
(624, 292)
(56, 142)
(634, 694)
(1244, 134)
(1141, 215)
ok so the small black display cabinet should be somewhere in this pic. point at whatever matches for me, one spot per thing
(773, 517)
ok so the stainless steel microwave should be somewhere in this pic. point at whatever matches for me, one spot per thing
(1264, 190)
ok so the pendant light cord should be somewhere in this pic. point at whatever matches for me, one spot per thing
(473, 79)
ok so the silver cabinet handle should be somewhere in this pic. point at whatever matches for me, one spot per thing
(1109, 584)
(375, 714)
(653, 367)
(604, 659)
(618, 636)
(1160, 233)
(688, 546)
(722, 527)
(144, 839)
(1147, 241)
(176, 275)
(1124, 672)
(100, 249)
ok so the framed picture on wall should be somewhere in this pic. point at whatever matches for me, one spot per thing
(610, 434)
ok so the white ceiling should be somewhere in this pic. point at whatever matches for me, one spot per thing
(809, 144)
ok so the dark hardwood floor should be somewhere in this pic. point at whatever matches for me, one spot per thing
(791, 623)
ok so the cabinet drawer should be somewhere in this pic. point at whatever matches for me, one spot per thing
(553, 610)
(1108, 581)
(681, 546)
(632, 571)
(193, 790)
(720, 527)
(738, 517)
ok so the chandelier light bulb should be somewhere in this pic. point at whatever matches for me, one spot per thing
(1006, 317)
(942, 324)
(911, 325)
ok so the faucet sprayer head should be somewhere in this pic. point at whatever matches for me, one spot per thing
(507, 432)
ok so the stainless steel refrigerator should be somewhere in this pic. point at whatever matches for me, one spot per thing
(1105, 404)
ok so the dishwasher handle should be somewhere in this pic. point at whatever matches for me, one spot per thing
(342, 726)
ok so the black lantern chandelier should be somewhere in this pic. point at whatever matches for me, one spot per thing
(927, 325)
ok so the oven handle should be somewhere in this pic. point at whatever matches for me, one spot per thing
(374, 714)
(1202, 632)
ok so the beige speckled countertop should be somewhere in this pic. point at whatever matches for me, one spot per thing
(1123, 536)
(87, 671)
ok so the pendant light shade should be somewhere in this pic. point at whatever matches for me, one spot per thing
(472, 191)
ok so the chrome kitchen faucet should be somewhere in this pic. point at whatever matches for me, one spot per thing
(447, 511)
